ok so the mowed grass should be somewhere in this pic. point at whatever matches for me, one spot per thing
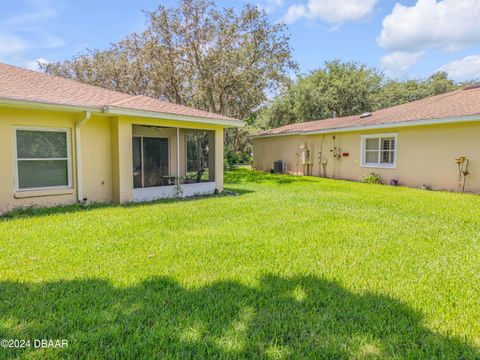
(293, 267)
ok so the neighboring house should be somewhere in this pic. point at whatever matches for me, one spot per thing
(415, 144)
(63, 142)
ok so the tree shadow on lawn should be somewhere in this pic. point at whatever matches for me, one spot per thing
(245, 176)
(304, 316)
(38, 211)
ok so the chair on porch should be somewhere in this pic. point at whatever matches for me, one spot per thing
(195, 178)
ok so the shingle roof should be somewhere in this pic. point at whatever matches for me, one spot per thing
(459, 103)
(26, 85)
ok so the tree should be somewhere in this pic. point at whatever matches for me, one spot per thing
(439, 83)
(337, 89)
(395, 93)
(342, 89)
(195, 54)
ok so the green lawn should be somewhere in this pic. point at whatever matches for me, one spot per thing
(293, 267)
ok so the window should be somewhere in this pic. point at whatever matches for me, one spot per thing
(150, 162)
(42, 158)
(379, 150)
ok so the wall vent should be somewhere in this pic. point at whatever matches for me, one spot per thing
(365, 115)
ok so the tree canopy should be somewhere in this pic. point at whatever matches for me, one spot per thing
(196, 54)
(342, 89)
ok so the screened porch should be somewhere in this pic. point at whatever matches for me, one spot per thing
(172, 162)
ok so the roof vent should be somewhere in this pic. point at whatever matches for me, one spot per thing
(471, 87)
(365, 115)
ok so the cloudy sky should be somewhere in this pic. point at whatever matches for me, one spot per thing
(405, 38)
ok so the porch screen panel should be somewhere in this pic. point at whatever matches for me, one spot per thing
(197, 156)
(155, 161)
(137, 162)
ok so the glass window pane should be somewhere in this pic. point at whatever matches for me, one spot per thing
(388, 144)
(155, 161)
(371, 157)
(42, 173)
(41, 144)
(388, 157)
(137, 162)
(371, 144)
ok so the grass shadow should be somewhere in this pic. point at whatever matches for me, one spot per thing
(38, 211)
(232, 178)
(301, 317)
(244, 176)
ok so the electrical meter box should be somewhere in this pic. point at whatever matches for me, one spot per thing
(306, 154)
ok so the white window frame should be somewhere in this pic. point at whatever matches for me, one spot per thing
(68, 158)
(380, 136)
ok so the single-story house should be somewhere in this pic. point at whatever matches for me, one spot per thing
(63, 142)
(417, 144)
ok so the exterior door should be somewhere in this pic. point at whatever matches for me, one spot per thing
(150, 161)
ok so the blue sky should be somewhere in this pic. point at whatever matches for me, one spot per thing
(404, 38)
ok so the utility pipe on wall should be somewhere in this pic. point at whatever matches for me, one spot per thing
(78, 152)
(178, 156)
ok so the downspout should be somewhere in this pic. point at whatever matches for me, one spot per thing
(178, 156)
(78, 152)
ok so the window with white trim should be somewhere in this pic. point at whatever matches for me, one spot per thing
(379, 150)
(43, 159)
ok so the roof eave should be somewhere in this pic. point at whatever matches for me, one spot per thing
(119, 111)
(449, 120)
(47, 106)
(167, 116)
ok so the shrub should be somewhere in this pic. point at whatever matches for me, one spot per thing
(236, 158)
(227, 166)
(372, 178)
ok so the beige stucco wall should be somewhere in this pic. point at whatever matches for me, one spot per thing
(425, 154)
(9, 119)
(96, 144)
(106, 146)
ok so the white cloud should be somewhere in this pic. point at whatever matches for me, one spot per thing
(11, 44)
(44, 13)
(464, 69)
(331, 11)
(34, 64)
(397, 63)
(294, 13)
(27, 31)
(271, 5)
(447, 25)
